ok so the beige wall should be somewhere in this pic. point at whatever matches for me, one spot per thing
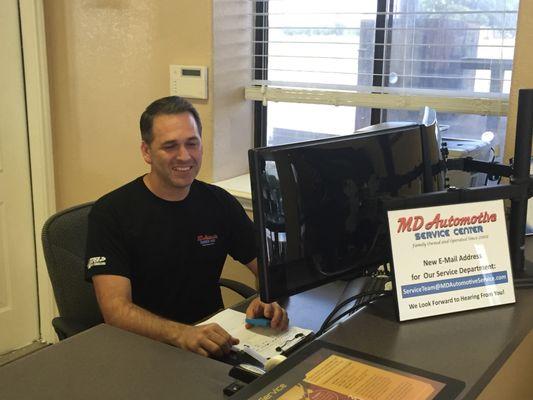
(522, 70)
(107, 60)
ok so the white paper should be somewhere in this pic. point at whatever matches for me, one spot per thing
(260, 339)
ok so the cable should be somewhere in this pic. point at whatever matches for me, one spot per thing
(351, 310)
(491, 161)
(354, 309)
(328, 321)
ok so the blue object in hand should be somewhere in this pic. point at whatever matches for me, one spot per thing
(258, 322)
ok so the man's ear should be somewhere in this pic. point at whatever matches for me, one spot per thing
(145, 150)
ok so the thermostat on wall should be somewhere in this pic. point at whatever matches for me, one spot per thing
(188, 81)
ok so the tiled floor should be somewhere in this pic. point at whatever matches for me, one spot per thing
(8, 357)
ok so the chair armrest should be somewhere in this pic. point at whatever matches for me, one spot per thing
(238, 287)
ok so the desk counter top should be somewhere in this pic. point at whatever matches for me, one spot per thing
(108, 363)
(470, 346)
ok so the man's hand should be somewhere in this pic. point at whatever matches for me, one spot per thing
(209, 339)
(273, 311)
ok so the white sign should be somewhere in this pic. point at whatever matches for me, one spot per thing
(450, 258)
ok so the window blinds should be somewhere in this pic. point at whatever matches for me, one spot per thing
(452, 55)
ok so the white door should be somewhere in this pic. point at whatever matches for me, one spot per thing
(19, 323)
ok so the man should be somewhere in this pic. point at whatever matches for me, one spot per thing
(157, 245)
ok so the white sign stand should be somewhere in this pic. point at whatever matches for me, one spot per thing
(450, 258)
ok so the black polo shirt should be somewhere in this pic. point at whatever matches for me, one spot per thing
(172, 251)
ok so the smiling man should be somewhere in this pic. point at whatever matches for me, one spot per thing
(156, 246)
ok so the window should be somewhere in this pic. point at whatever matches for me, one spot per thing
(331, 67)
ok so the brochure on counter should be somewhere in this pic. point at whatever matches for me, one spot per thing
(326, 371)
(450, 258)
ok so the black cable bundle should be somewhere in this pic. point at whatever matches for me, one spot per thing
(331, 319)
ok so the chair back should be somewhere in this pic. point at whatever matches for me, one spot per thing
(64, 239)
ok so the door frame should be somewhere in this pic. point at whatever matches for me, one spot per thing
(40, 149)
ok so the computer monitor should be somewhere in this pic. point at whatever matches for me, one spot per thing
(317, 204)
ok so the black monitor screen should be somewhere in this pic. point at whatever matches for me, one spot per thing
(317, 204)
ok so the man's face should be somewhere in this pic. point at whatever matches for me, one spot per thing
(175, 153)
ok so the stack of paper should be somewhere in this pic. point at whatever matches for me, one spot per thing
(260, 342)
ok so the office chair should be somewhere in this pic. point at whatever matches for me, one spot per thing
(64, 237)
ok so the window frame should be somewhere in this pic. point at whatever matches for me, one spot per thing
(377, 115)
(484, 105)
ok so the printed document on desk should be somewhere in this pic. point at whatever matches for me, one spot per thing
(267, 342)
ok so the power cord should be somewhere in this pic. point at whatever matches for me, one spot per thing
(487, 176)
(332, 318)
(352, 310)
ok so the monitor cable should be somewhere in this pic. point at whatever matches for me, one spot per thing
(332, 318)
(492, 177)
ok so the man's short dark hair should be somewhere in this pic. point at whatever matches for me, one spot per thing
(167, 106)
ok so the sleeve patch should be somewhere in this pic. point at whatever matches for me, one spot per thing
(96, 261)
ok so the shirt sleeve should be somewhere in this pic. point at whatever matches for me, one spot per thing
(106, 248)
(242, 239)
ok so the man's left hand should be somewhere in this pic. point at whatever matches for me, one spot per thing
(273, 311)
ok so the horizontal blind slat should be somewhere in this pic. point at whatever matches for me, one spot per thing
(468, 105)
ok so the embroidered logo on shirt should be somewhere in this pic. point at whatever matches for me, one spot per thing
(96, 261)
(207, 240)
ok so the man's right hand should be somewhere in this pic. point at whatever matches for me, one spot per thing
(114, 297)
(209, 339)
